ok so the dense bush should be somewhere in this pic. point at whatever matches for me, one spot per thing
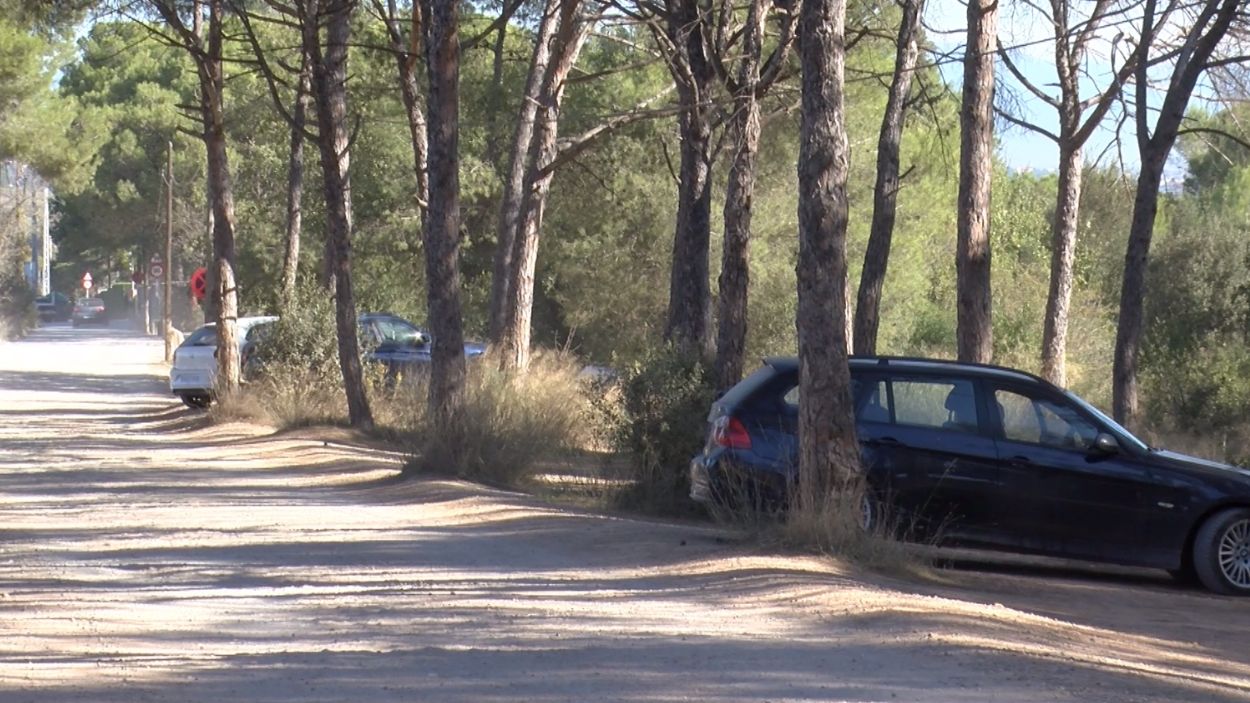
(666, 399)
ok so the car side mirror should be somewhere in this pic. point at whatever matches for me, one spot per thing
(1105, 444)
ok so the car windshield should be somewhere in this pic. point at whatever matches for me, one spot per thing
(1115, 426)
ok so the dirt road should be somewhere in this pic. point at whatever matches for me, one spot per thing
(145, 556)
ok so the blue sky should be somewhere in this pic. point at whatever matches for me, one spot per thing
(1019, 148)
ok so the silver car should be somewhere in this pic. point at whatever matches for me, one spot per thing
(193, 374)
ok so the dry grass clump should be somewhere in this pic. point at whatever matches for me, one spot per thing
(511, 421)
(289, 397)
(837, 529)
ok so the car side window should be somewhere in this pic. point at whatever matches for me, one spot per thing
(397, 333)
(1043, 421)
(791, 399)
(873, 402)
(940, 404)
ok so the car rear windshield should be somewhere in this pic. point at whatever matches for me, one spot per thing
(203, 337)
(91, 303)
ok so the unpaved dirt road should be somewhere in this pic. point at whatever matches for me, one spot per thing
(147, 556)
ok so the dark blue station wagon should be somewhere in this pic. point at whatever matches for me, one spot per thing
(987, 456)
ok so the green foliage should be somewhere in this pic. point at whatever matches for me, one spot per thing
(303, 339)
(666, 399)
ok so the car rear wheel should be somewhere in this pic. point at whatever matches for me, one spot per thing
(196, 401)
(869, 512)
(1222, 552)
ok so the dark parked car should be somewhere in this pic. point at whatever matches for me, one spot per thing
(54, 307)
(90, 311)
(387, 339)
(986, 456)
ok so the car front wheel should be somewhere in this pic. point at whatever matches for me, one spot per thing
(1222, 552)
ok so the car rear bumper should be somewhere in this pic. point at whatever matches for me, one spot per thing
(182, 382)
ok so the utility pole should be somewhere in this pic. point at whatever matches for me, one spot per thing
(169, 249)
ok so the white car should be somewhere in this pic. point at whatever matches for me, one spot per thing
(194, 371)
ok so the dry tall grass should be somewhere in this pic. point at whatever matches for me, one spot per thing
(837, 529)
(511, 423)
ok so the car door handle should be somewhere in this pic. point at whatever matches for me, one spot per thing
(884, 442)
(1020, 461)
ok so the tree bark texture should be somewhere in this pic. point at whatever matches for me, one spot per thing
(689, 324)
(229, 365)
(295, 184)
(1133, 291)
(212, 81)
(1062, 260)
(330, 81)
(734, 284)
(519, 304)
(513, 197)
(975, 340)
(407, 56)
(885, 191)
(1204, 35)
(442, 229)
(828, 450)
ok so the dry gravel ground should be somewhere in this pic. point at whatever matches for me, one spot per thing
(147, 556)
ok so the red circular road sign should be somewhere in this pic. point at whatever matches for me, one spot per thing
(199, 283)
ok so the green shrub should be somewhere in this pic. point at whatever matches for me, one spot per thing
(304, 338)
(666, 400)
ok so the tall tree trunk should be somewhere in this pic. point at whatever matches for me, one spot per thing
(1212, 23)
(513, 197)
(885, 192)
(828, 450)
(212, 81)
(295, 184)
(330, 77)
(735, 274)
(1128, 333)
(407, 56)
(1063, 256)
(689, 302)
(442, 229)
(975, 339)
(689, 324)
(518, 310)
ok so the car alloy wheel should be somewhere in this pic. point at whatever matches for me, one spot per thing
(1222, 552)
(1234, 553)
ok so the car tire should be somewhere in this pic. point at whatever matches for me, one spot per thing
(1222, 552)
(199, 402)
(869, 514)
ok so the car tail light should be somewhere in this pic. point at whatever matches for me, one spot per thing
(730, 432)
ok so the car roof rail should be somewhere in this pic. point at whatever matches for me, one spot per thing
(788, 362)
